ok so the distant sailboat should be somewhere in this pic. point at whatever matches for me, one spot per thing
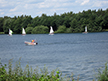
(85, 30)
(10, 32)
(51, 31)
(23, 31)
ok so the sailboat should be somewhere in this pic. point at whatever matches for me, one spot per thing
(85, 30)
(10, 32)
(23, 31)
(51, 31)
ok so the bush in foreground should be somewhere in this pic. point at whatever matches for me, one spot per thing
(28, 74)
(103, 74)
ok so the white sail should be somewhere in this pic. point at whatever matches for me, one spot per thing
(86, 29)
(23, 31)
(10, 32)
(51, 31)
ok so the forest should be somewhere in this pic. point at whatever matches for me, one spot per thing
(95, 20)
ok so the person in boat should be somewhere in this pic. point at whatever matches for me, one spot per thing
(33, 41)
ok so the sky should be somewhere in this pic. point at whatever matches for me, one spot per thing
(35, 8)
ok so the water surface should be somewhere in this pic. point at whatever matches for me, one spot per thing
(72, 53)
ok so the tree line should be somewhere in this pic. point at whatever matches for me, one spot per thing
(69, 22)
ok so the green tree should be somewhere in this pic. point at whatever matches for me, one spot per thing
(105, 21)
(29, 30)
(36, 21)
(1, 24)
(25, 21)
(73, 24)
(95, 20)
(40, 29)
(18, 28)
(8, 23)
(61, 29)
(69, 30)
(66, 22)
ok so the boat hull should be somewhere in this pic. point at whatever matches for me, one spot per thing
(51, 33)
(29, 43)
(85, 32)
(23, 34)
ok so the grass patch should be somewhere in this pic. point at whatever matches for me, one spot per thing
(2, 33)
(106, 29)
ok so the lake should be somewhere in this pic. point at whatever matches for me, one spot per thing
(75, 53)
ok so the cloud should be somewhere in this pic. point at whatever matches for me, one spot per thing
(100, 3)
(12, 14)
(2, 3)
(2, 13)
(49, 7)
(13, 9)
(53, 3)
(85, 2)
(81, 2)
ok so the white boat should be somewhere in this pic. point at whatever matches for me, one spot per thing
(85, 30)
(23, 31)
(30, 43)
(51, 31)
(10, 32)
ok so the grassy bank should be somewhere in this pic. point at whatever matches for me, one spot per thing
(2, 33)
(29, 74)
(106, 29)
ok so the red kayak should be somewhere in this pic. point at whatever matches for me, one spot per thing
(30, 43)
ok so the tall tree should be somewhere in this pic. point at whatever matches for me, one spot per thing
(18, 27)
(25, 21)
(1, 24)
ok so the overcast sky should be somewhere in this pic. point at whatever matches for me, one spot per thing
(49, 7)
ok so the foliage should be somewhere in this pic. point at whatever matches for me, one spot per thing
(103, 74)
(40, 29)
(28, 74)
(61, 29)
(69, 30)
(29, 30)
(1, 24)
(96, 21)
(8, 73)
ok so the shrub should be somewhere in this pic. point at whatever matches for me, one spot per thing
(61, 29)
(28, 74)
(17, 74)
(29, 30)
(103, 74)
(40, 30)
